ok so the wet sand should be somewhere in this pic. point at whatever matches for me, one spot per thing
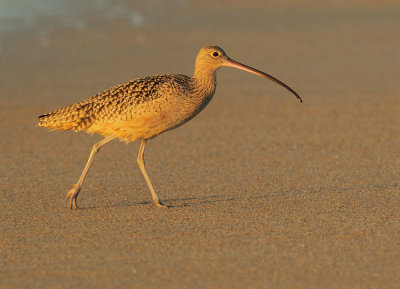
(278, 194)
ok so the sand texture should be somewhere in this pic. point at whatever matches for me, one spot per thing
(278, 194)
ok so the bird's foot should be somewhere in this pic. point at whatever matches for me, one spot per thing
(72, 195)
(161, 205)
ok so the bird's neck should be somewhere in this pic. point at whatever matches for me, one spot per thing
(205, 81)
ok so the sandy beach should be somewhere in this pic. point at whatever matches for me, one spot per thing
(277, 194)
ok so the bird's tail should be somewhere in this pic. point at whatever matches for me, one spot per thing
(74, 117)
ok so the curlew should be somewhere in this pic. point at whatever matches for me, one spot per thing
(143, 108)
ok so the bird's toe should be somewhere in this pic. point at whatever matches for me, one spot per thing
(72, 196)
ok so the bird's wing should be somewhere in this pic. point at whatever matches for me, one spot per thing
(114, 103)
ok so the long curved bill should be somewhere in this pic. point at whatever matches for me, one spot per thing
(232, 63)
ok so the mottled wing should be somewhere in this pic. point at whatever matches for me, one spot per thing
(110, 104)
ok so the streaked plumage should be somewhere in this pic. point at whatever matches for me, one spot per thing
(138, 109)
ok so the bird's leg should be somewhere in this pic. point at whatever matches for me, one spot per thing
(140, 160)
(72, 195)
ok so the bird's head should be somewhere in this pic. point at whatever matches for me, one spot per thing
(211, 58)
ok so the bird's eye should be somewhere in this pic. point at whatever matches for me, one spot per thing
(215, 54)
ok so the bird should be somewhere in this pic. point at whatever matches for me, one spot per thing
(144, 108)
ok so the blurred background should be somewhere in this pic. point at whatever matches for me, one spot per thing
(341, 47)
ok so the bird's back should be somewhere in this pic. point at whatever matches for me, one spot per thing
(117, 103)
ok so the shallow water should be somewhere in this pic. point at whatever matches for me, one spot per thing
(41, 17)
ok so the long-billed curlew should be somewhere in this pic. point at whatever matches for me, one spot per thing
(144, 108)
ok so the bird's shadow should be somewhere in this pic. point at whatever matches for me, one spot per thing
(173, 203)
